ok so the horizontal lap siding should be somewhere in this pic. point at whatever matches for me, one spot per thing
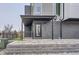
(70, 30)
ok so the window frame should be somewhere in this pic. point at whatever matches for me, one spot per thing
(40, 30)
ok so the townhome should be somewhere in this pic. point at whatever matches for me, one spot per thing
(51, 21)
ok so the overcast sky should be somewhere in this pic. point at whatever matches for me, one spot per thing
(10, 14)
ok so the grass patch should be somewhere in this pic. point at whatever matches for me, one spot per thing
(17, 39)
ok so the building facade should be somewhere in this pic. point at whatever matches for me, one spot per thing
(51, 21)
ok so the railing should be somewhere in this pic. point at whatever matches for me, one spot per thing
(9, 35)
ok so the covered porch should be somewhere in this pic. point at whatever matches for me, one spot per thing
(32, 25)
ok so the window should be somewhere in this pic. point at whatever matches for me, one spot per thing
(38, 30)
(37, 8)
(58, 9)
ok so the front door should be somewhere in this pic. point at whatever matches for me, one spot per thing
(38, 30)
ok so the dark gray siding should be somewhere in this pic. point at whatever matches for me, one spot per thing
(56, 29)
(27, 32)
(70, 30)
(46, 29)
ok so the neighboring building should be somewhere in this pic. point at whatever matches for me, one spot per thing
(51, 21)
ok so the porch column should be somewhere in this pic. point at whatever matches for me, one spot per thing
(52, 29)
(22, 30)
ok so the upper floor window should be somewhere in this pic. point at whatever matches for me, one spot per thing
(37, 8)
(58, 9)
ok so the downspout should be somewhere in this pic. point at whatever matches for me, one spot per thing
(52, 29)
(61, 23)
(54, 18)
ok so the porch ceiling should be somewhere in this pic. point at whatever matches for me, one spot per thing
(27, 19)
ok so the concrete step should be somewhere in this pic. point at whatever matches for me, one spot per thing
(42, 49)
(46, 46)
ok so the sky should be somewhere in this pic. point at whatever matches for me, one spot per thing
(10, 14)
